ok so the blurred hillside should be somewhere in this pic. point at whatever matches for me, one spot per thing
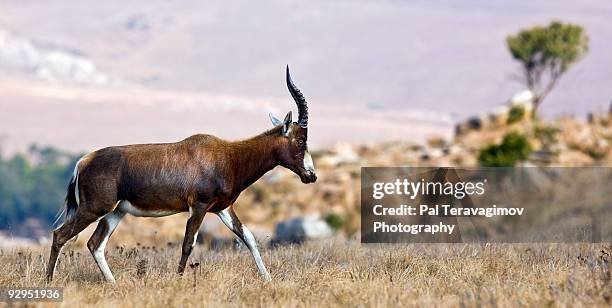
(279, 195)
(373, 71)
(386, 81)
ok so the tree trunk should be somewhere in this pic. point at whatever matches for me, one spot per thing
(537, 100)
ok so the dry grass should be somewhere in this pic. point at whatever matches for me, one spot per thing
(331, 274)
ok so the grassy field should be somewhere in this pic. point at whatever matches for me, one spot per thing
(329, 274)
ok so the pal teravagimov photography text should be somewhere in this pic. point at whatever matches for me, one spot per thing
(407, 190)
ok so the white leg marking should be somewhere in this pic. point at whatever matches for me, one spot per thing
(247, 237)
(252, 244)
(226, 219)
(113, 220)
(195, 236)
(195, 239)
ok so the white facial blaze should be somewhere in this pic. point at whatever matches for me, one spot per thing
(308, 164)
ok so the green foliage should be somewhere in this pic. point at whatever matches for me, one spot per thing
(546, 134)
(33, 186)
(514, 147)
(546, 53)
(335, 221)
(516, 113)
(558, 43)
(595, 153)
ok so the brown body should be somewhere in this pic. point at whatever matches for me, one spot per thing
(173, 177)
(198, 175)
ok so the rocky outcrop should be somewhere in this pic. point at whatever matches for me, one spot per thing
(298, 230)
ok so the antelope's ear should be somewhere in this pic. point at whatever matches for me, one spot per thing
(287, 123)
(275, 121)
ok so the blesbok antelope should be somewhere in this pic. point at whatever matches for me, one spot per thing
(197, 175)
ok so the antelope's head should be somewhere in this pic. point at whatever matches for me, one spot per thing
(293, 153)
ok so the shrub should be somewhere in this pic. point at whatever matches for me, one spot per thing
(595, 153)
(514, 147)
(516, 113)
(546, 134)
(335, 221)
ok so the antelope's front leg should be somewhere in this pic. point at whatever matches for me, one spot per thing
(229, 218)
(191, 232)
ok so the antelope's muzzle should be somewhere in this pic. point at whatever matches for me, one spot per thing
(308, 177)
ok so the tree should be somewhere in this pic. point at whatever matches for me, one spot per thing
(546, 53)
(33, 186)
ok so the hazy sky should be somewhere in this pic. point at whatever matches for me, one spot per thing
(423, 58)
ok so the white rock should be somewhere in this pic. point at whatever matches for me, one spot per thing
(343, 153)
(522, 97)
(297, 230)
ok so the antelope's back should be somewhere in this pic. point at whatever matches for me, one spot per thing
(155, 176)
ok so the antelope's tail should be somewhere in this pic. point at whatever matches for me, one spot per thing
(72, 198)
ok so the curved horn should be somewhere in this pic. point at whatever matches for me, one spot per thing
(299, 100)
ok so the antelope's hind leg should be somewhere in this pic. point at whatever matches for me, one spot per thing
(98, 240)
(64, 233)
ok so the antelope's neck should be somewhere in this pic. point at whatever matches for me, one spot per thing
(253, 158)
